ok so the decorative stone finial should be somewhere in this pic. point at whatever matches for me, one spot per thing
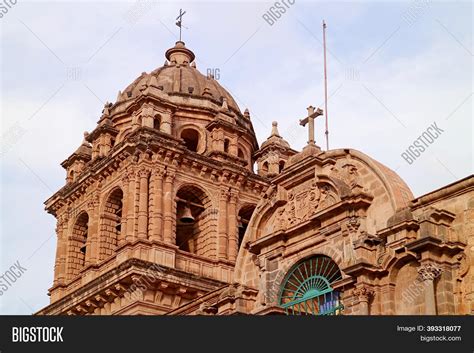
(106, 111)
(247, 113)
(224, 104)
(275, 129)
(179, 54)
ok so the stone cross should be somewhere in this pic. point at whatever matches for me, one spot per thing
(312, 114)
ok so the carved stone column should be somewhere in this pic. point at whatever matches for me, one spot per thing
(233, 147)
(130, 236)
(92, 242)
(143, 204)
(222, 225)
(232, 226)
(168, 217)
(165, 125)
(363, 293)
(61, 250)
(427, 274)
(123, 226)
(156, 217)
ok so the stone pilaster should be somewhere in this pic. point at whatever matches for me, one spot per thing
(124, 220)
(92, 242)
(143, 175)
(165, 125)
(427, 274)
(232, 226)
(61, 251)
(363, 293)
(168, 216)
(156, 197)
(130, 215)
(222, 225)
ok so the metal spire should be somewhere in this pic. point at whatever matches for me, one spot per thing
(179, 21)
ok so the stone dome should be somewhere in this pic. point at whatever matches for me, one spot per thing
(179, 75)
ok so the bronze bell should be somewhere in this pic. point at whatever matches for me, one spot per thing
(239, 223)
(187, 216)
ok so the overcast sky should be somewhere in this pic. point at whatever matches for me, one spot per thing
(394, 69)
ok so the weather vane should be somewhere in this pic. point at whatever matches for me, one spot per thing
(179, 21)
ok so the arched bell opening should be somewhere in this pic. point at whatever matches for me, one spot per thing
(111, 231)
(78, 245)
(191, 139)
(310, 288)
(281, 165)
(193, 215)
(264, 169)
(157, 122)
(243, 220)
(226, 145)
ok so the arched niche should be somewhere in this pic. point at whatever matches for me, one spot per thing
(194, 213)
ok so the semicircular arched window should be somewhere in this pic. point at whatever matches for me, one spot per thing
(308, 288)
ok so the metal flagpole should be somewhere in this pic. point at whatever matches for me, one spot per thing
(325, 87)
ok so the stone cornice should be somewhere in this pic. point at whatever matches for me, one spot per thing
(93, 288)
(167, 149)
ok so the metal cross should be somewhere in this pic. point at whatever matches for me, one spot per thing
(312, 114)
(179, 21)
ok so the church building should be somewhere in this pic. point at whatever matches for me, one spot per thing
(162, 213)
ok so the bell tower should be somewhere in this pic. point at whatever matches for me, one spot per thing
(273, 155)
(157, 197)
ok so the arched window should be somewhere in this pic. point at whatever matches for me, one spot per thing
(309, 288)
(111, 224)
(281, 165)
(71, 175)
(157, 122)
(77, 251)
(244, 216)
(265, 167)
(240, 154)
(193, 213)
(226, 145)
(191, 139)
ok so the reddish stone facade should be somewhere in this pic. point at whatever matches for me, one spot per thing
(162, 214)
